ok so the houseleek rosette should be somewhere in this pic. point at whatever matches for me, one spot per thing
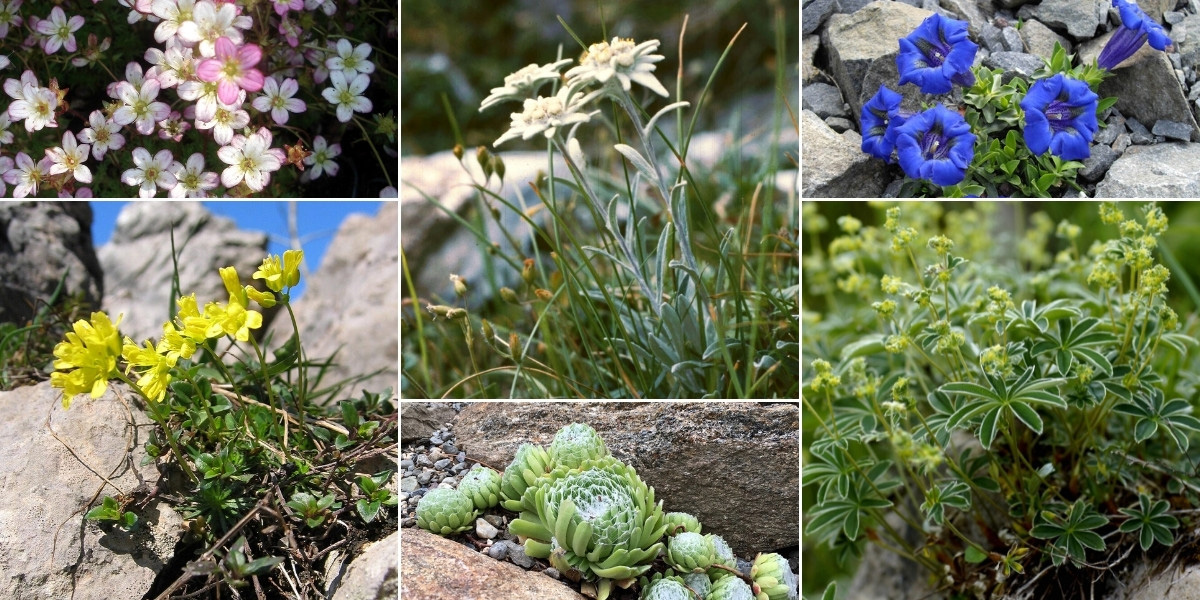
(482, 486)
(530, 463)
(725, 557)
(576, 443)
(666, 589)
(690, 552)
(699, 583)
(445, 511)
(598, 521)
(679, 522)
(730, 588)
(773, 578)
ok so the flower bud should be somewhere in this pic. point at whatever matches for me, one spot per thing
(527, 271)
(498, 166)
(458, 151)
(460, 286)
(514, 346)
(543, 295)
(489, 333)
(481, 155)
(509, 296)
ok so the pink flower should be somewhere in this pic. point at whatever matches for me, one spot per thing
(103, 135)
(277, 98)
(283, 6)
(140, 106)
(69, 158)
(251, 159)
(60, 29)
(150, 172)
(9, 16)
(232, 69)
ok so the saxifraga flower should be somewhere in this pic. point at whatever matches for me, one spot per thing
(1136, 28)
(936, 54)
(1060, 115)
(880, 119)
(937, 145)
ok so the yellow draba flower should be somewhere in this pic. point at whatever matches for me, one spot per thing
(91, 350)
(175, 343)
(237, 294)
(280, 272)
(264, 299)
(155, 368)
(237, 321)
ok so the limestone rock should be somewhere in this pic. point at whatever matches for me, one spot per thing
(351, 303)
(834, 164)
(418, 421)
(1039, 39)
(1101, 158)
(1159, 171)
(46, 491)
(39, 243)
(1079, 18)
(436, 568)
(1013, 64)
(138, 268)
(853, 42)
(824, 99)
(1156, 8)
(673, 446)
(1186, 36)
(815, 12)
(371, 576)
(1145, 84)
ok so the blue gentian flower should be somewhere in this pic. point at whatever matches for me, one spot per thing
(1136, 28)
(936, 145)
(1060, 115)
(936, 53)
(880, 118)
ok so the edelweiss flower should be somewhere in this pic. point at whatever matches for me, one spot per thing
(524, 83)
(619, 59)
(546, 114)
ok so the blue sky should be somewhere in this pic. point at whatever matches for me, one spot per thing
(316, 222)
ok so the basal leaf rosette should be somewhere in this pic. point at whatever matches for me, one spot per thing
(576, 443)
(690, 552)
(530, 463)
(724, 557)
(699, 583)
(730, 588)
(482, 486)
(773, 578)
(679, 522)
(599, 521)
(666, 589)
(445, 511)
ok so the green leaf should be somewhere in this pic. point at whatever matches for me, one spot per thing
(830, 591)
(974, 555)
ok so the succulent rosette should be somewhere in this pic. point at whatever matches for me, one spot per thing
(598, 521)
(679, 522)
(699, 583)
(730, 588)
(690, 552)
(724, 557)
(482, 486)
(574, 444)
(773, 578)
(530, 463)
(666, 589)
(445, 511)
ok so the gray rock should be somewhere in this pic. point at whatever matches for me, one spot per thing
(495, 520)
(1145, 84)
(516, 554)
(499, 550)
(1106, 135)
(1165, 170)
(971, 11)
(1138, 132)
(893, 189)
(552, 573)
(1186, 36)
(992, 38)
(853, 42)
(824, 99)
(373, 573)
(435, 440)
(138, 267)
(834, 164)
(406, 464)
(442, 464)
(425, 477)
(814, 13)
(43, 243)
(851, 6)
(1012, 39)
(1013, 64)
(1174, 17)
(1096, 165)
(839, 124)
(418, 421)
(1009, 3)
(348, 310)
(46, 489)
(423, 461)
(409, 484)
(1156, 8)
(449, 448)
(1079, 18)
(1122, 142)
(1172, 130)
(808, 66)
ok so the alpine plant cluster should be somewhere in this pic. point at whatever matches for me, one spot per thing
(595, 520)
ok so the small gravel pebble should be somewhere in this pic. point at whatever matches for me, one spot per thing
(499, 550)
(495, 520)
(552, 573)
(516, 554)
(410, 522)
(408, 484)
(485, 530)
(406, 464)
(436, 441)
(462, 457)
(423, 461)
(425, 477)
(449, 448)
(459, 468)
(442, 464)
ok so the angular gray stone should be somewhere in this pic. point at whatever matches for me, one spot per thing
(1172, 130)
(373, 574)
(975, 12)
(1039, 39)
(41, 243)
(418, 420)
(839, 124)
(1106, 135)
(824, 99)
(1156, 8)
(808, 67)
(851, 6)
(351, 303)
(853, 42)
(46, 490)
(1186, 36)
(1174, 17)
(1009, 3)
(1096, 165)
(1079, 18)
(834, 165)
(1013, 63)
(1145, 84)
(1138, 134)
(1166, 170)
(138, 267)
(815, 13)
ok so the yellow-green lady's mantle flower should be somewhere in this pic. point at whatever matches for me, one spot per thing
(155, 368)
(280, 273)
(91, 350)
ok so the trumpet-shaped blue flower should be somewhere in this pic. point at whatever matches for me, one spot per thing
(1060, 115)
(1136, 28)
(936, 54)
(936, 145)
(880, 118)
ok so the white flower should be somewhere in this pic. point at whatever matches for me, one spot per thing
(27, 175)
(251, 159)
(6, 136)
(150, 173)
(192, 181)
(525, 82)
(103, 135)
(6, 165)
(326, 5)
(140, 106)
(9, 16)
(619, 59)
(226, 119)
(173, 14)
(34, 104)
(546, 114)
(322, 157)
(4, 61)
(210, 23)
(347, 95)
(69, 158)
(277, 98)
(351, 60)
(60, 29)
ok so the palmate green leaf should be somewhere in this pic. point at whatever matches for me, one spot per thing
(1151, 412)
(846, 514)
(1150, 521)
(955, 494)
(1072, 534)
(1017, 398)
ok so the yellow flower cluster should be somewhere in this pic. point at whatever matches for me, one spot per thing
(87, 359)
